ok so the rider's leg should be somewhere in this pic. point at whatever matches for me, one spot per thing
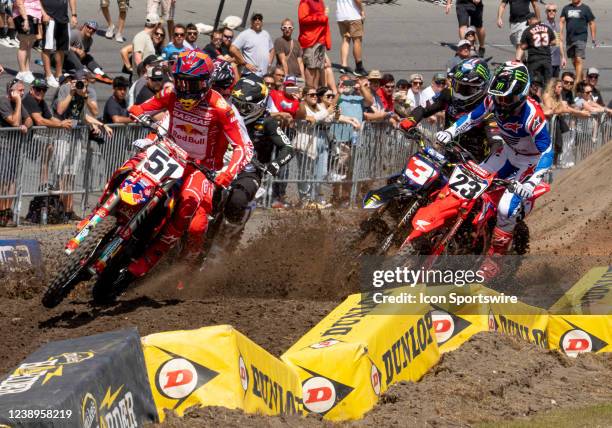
(195, 192)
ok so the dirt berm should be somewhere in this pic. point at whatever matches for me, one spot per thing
(291, 271)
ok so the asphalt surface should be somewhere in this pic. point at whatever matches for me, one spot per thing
(402, 37)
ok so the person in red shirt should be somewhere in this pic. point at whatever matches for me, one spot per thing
(385, 92)
(284, 104)
(314, 38)
(202, 123)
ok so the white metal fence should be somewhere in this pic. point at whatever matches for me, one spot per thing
(330, 157)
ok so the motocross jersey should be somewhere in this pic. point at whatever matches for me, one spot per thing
(204, 131)
(266, 134)
(525, 132)
(475, 140)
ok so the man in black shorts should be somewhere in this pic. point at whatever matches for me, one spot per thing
(469, 13)
(537, 40)
(578, 18)
(57, 36)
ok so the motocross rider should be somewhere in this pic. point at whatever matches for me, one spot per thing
(249, 96)
(469, 82)
(202, 123)
(526, 155)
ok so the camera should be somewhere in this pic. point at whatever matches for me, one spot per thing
(80, 85)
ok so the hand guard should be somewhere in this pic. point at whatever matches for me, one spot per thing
(224, 179)
(407, 124)
(272, 168)
(142, 143)
(444, 137)
(524, 190)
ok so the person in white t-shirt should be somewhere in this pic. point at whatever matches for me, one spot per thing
(415, 95)
(438, 82)
(350, 15)
(253, 48)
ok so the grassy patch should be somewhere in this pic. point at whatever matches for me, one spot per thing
(591, 416)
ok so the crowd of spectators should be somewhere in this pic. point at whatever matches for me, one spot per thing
(295, 64)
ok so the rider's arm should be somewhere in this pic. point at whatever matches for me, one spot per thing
(538, 128)
(242, 147)
(472, 119)
(284, 149)
(160, 101)
(439, 104)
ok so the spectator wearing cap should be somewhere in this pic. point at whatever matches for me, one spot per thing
(78, 57)
(178, 42)
(155, 82)
(164, 9)
(191, 36)
(469, 13)
(26, 16)
(415, 95)
(142, 71)
(284, 103)
(73, 96)
(593, 79)
(382, 108)
(400, 98)
(253, 48)
(56, 37)
(110, 27)
(115, 109)
(519, 11)
(142, 45)
(578, 19)
(40, 112)
(289, 53)
(537, 40)
(374, 78)
(557, 52)
(438, 83)
(470, 36)
(314, 38)
(462, 52)
(350, 15)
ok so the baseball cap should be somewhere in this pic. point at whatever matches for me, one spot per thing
(151, 59)
(470, 29)
(530, 15)
(463, 43)
(152, 19)
(40, 83)
(439, 77)
(256, 15)
(155, 73)
(290, 81)
(79, 75)
(402, 82)
(592, 70)
(416, 76)
(120, 82)
(92, 24)
(375, 75)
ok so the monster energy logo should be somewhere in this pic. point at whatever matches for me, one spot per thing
(458, 74)
(500, 86)
(521, 76)
(482, 71)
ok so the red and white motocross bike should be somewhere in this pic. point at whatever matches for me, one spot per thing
(138, 204)
(462, 214)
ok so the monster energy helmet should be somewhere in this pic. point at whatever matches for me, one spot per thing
(509, 87)
(469, 82)
(250, 96)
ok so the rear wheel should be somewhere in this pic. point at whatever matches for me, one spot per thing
(75, 265)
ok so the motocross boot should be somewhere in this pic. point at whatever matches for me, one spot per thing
(500, 242)
(153, 253)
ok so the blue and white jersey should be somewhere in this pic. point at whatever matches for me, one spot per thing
(526, 133)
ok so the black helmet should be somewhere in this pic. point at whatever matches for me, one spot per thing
(469, 82)
(509, 87)
(250, 96)
(223, 77)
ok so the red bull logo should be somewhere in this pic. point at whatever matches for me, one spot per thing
(134, 193)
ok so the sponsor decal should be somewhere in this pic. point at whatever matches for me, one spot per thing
(421, 224)
(244, 374)
(447, 325)
(28, 374)
(272, 393)
(598, 291)
(18, 252)
(577, 341)
(353, 316)
(492, 322)
(321, 394)
(512, 126)
(513, 328)
(178, 377)
(324, 344)
(90, 416)
(375, 379)
(112, 412)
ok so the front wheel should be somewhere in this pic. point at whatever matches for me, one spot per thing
(75, 265)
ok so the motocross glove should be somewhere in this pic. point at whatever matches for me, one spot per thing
(224, 179)
(444, 137)
(142, 143)
(407, 124)
(524, 190)
(272, 168)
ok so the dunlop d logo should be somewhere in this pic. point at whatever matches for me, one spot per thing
(578, 341)
(321, 394)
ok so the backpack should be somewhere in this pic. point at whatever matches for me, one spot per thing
(55, 210)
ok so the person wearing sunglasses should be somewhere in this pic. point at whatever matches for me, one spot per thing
(178, 44)
(79, 56)
(558, 59)
(438, 83)
(586, 102)
(191, 36)
(289, 53)
(592, 79)
(142, 44)
(568, 81)
(253, 48)
(415, 95)
(40, 112)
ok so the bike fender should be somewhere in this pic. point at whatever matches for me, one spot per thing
(434, 215)
(375, 199)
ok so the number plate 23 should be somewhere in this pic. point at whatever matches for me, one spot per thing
(465, 185)
(160, 165)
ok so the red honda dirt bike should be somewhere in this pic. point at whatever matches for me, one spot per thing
(462, 215)
(138, 204)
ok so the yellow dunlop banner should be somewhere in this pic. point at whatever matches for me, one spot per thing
(361, 348)
(581, 320)
(218, 366)
(518, 319)
(456, 324)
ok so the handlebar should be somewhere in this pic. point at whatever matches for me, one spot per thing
(508, 184)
